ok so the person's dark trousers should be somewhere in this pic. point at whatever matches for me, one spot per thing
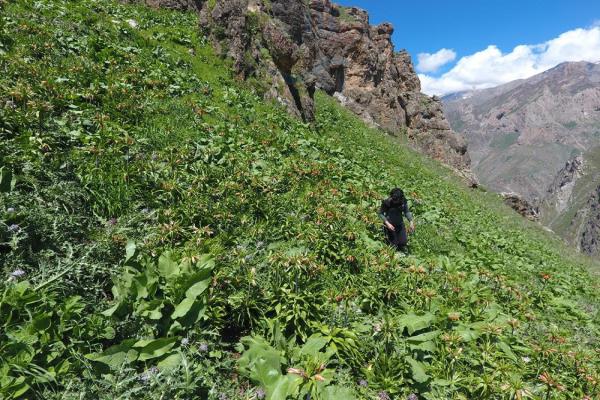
(397, 238)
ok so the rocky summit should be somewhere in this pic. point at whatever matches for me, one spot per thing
(296, 47)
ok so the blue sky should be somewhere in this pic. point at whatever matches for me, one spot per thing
(468, 27)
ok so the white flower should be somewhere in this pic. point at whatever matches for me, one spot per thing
(132, 23)
(526, 359)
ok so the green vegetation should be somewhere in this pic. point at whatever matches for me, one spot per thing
(504, 141)
(166, 234)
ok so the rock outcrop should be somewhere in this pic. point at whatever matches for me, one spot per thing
(561, 190)
(590, 238)
(522, 206)
(571, 207)
(298, 46)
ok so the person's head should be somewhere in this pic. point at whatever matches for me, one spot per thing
(397, 196)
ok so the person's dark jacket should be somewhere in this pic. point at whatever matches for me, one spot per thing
(392, 212)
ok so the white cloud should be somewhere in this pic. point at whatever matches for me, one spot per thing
(432, 62)
(491, 67)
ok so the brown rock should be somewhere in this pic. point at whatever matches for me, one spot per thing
(299, 46)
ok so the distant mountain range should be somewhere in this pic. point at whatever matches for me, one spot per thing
(540, 138)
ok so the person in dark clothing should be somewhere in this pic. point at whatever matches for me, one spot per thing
(392, 213)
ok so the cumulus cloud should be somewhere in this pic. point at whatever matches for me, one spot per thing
(432, 62)
(490, 67)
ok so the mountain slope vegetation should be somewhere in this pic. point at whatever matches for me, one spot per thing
(164, 233)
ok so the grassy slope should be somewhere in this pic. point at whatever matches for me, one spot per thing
(117, 133)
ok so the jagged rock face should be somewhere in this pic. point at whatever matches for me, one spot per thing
(590, 239)
(379, 84)
(571, 207)
(299, 46)
(522, 206)
(562, 187)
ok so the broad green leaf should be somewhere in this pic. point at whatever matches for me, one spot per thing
(7, 180)
(197, 289)
(414, 323)
(337, 393)
(15, 388)
(109, 312)
(166, 266)
(117, 355)
(151, 309)
(41, 322)
(428, 347)
(507, 351)
(314, 344)
(424, 337)
(283, 387)
(183, 308)
(172, 361)
(418, 370)
(154, 348)
(129, 250)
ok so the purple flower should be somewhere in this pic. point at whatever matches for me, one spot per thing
(203, 348)
(112, 222)
(260, 393)
(14, 228)
(383, 396)
(412, 396)
(185, 341)
(146, 375)
(17, 273)
(363, 383)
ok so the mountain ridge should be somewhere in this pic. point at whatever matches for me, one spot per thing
(524, 133)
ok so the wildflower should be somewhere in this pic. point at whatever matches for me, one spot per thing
(112, 222)
(146, 375)
(545, 276)
(260, 394)
(17, 273)
(185, 341)
(383, 396)
(10, 210)
(14, 228)
(412, 396)
(203, 348)
(248, 258)
(132, 23)
(223, 396)
(363, 383)
(526, 359)
(453, 316)
(260, 244)
(10, 104)
(377, 327)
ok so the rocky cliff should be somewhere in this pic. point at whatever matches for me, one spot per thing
(571, 206)
(297, 47)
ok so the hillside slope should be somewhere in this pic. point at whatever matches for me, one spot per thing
(165, 233)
